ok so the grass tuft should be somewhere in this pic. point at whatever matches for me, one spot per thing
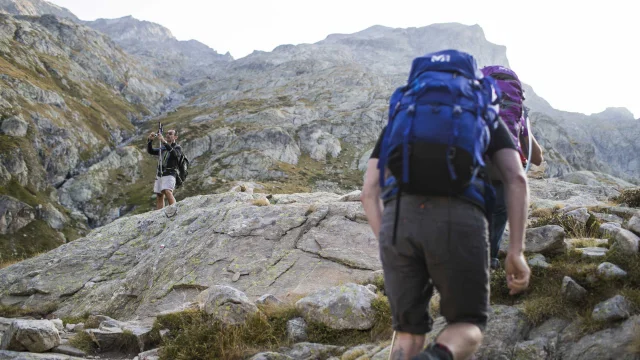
(543, 300)
(84, 342)
(195, 335)
(261, 202)
(631, 197)
(39, 312)
(572, 227)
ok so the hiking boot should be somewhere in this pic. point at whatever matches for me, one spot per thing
(495, 264)
(434, 352)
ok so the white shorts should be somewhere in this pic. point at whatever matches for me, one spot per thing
(164, 183)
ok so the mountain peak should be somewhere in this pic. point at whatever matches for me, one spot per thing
(34, 8)
(615, 113)
(128, 28)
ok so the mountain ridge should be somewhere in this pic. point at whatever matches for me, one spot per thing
(34, 8)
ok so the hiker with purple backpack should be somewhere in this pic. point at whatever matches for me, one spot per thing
(514, 114)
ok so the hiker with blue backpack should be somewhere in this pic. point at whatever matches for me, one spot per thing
(514, 114)
(429, 201)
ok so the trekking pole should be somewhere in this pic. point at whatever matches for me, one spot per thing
(526, 170)
(160, 148)
(393, 339)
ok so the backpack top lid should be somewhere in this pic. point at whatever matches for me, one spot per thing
(512, 110)
(501, 70)
(445, 60)
(508, 82)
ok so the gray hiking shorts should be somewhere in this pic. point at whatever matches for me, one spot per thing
(441, 242)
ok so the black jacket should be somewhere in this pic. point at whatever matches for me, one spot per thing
(170, 156)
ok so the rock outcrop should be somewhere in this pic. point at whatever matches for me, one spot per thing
(30, 335)
(145, 264)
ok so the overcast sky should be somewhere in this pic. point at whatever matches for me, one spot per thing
(581, 56)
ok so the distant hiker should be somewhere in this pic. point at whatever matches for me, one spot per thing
(432, 225)
(168, 166)
(514, 114)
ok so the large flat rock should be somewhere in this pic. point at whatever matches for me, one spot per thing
(139, 266)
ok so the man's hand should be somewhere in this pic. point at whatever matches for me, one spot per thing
(518, 272)
(151, 136)
(162, 141)
(517, 200)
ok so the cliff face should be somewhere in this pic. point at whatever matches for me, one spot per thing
(155, 47)
(69, 97)
(604, 142)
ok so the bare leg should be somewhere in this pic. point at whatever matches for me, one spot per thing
(159, 201)
(170, 197)
(406, 346)
(462, 339)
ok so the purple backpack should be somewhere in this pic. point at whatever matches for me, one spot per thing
(512, 110)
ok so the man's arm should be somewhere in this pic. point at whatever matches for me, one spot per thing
(370, 196)
(150, 148)
(517, 196)
(536, 151)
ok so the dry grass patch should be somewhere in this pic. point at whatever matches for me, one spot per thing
(542, 212)
(634, 347)
(38, 312)
(583, 243)
(7, 263)
(196, 335)
(84, 342)
(261, 202)
(543, 300)
(631, 197)
(572, 227)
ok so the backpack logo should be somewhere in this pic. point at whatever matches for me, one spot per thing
(441, 58)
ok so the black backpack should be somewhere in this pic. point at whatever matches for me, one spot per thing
(183, 169)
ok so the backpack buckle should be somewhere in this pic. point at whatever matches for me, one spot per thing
(451, 153)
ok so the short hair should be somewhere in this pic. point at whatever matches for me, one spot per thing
(175, 132)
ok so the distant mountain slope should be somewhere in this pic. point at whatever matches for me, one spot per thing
(69, 97)
(157, 48)
(35, 8)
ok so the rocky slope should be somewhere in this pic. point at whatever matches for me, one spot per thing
(69, 98)
(148, 263)
(603, 142)
(233, 248)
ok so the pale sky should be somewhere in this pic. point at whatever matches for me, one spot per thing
(581, 56)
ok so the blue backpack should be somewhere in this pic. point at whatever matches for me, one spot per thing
(439, 128)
